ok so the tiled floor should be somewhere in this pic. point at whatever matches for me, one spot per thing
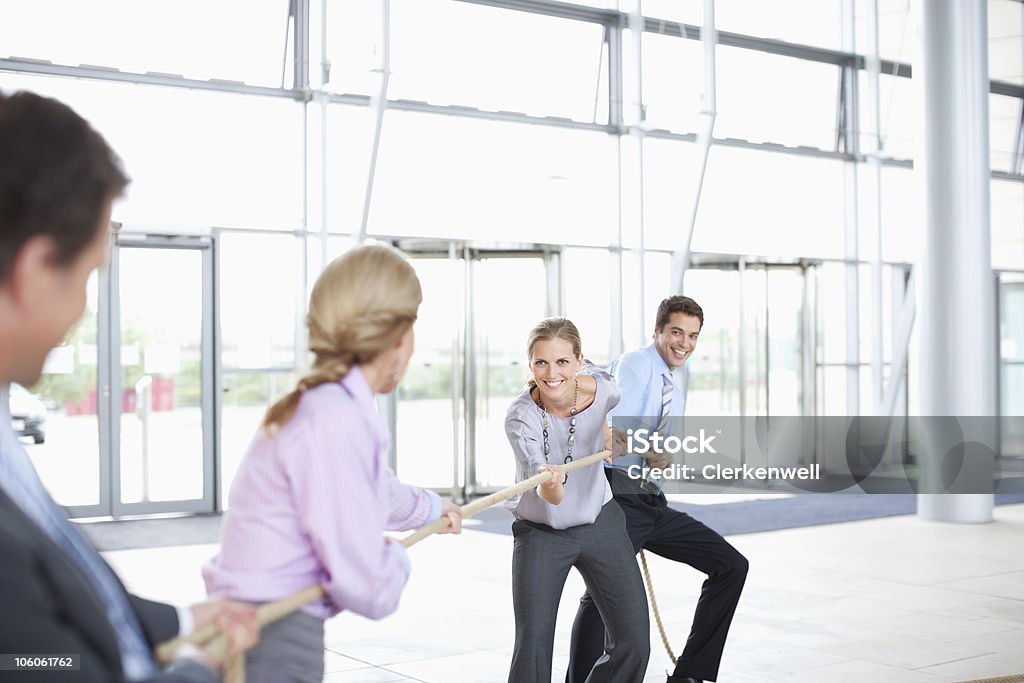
(895, 599)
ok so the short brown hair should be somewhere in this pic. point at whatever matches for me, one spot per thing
(56, 176)
(678, 304)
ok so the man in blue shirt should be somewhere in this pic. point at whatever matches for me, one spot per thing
(650, 394)
(58, 179)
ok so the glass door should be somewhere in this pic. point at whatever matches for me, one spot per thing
(753, 353)
(479, 304)
(510, 296)
(428, 410)
(161, 389)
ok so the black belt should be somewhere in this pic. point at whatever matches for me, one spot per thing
(624, 485)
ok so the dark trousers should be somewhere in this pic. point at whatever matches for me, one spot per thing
(654, 526)
(541, 559)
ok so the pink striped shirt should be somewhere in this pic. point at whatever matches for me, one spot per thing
(310, 504)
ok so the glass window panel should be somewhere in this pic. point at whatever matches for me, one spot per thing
(785, 341)
(673, 82)
(1012, 399)
(810, 22)
(634, 334)
(424, 406)
(897, 114)
(713, 370)
(501, 363)
(588, 299)
(754, 333)
(162, 421)
(1004, 121)
(441, 176)
(348, 146)
(1011, 313)
(868, 398)
(657, 272)
(832, 313)
(1005, 51)
(258, 313)
(895, 29)
(447, 52)
(190, 160)
(770, 204)
(185, 37)
(902, 219)
(1007, 220)
(631, 152)
(353, 33)
(56, 419)
(867, 315)
(670, 184)
(770, 98)
(832, 391)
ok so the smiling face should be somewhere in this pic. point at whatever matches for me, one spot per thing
(554, 369)
(677, 339)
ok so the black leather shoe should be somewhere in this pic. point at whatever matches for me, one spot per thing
(687, 679)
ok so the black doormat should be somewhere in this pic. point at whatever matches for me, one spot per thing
(129, 534)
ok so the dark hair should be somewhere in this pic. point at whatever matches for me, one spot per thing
(678, 304)
(56, 175)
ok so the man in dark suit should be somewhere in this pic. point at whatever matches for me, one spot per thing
(58, 180)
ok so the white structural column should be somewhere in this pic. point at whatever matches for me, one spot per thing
(956, 296)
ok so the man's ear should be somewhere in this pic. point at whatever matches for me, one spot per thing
(33, 266)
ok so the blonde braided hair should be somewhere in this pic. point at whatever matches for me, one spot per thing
(362, 304)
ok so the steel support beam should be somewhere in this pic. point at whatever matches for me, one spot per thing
(709, 111)
(378, 104)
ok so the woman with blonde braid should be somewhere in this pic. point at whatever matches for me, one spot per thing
(314, 494)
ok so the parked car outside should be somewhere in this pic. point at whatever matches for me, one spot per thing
(28, 414)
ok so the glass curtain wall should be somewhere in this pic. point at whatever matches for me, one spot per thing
(564, 124)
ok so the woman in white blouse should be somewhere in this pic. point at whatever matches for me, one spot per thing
(571, 521)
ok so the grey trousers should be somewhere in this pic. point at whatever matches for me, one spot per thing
(289, 651)
(602, 553)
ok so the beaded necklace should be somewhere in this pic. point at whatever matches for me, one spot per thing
(572, 426)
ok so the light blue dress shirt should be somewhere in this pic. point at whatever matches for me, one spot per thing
(639, 376)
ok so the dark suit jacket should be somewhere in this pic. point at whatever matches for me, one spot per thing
(48, 606)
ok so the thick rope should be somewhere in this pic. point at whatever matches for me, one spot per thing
(234, 670)
(216, 645)
(495, 498)
(1013, 678)
(654, 606)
